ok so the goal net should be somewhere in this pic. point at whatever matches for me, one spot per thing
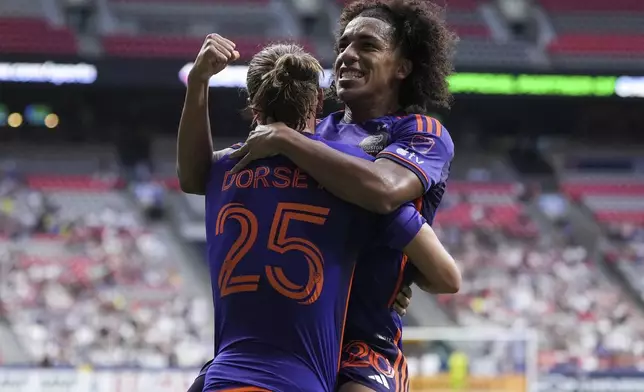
(470, 359)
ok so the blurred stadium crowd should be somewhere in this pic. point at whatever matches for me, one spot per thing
(98, 266)
(86, 282)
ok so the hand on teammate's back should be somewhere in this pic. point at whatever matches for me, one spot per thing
(262, 142)
(215, 54)
(403, 300)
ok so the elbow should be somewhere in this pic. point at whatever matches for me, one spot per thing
(382, 207)
(191, 185)
(443, 288)
(191, 188)
(384, 199)
(451, 284)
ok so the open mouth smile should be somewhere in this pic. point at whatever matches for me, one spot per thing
(349, 74)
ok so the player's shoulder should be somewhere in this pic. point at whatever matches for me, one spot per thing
(219, 155)
(420, 123)
(343, 147)
(412, 124)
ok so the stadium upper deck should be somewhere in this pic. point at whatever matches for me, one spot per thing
(569, 34)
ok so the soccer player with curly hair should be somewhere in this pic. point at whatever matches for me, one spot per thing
(393, 60)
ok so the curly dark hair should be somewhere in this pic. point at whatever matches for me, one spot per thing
(420, 32)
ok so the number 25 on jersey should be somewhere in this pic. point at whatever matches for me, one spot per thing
(278, 241)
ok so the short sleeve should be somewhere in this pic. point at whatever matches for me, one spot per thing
(423, 145)
(400, 227)
(219, 155)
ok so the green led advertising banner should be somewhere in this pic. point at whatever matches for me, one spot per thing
(492, 83)
(553, 85)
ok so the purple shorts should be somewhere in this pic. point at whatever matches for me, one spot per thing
(364, 366)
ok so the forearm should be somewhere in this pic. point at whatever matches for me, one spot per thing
(446, 281)
(355, 180)
(194, 143)
(428, 286)
(438, 270)
(440, 276)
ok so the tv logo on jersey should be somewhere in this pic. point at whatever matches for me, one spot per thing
(375, 143)
(410, 156)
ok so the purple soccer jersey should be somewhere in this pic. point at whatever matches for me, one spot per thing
(281, 253)
(372, 353)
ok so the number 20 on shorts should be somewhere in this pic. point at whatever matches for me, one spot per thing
(279, 242)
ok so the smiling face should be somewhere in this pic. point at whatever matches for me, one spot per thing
(368, 68)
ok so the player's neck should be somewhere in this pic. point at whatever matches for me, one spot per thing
(310, 126)
(359, 114)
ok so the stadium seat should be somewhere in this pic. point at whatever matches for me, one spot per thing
(261, 2)
(77, 183)
(470, 31)
(501, 188)
(636, 217)
(608, 44)
(175, 47)
(35, 36)
(575, 190)
(94, 266)
(593, 5)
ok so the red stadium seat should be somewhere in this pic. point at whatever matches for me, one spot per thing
(151, 46)
(598, 44)
(260, 2)
(470, 31)
(466, 30)
(461, 5)
(576, 190)
(31, 35)
(450, 5)
(463, 215)
(171, 183)
(593, 5)
(76, 183)
(175, 47)
(636, 217)
(502, 188)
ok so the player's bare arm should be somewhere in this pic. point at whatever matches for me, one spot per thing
(381, 186)
(194, 143)
(440, 274)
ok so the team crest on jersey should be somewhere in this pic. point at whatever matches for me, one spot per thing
(422, 144)
(375, 143)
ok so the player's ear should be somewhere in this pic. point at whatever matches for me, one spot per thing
(320, 107)
(404, 68)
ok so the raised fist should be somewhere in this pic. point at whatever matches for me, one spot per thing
(216, 53)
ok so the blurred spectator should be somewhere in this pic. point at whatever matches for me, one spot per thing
(22, 210)
(514, 281)
(79, 14)
(101, 291)
(518, 14)
(308, 11)
(149, 194)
